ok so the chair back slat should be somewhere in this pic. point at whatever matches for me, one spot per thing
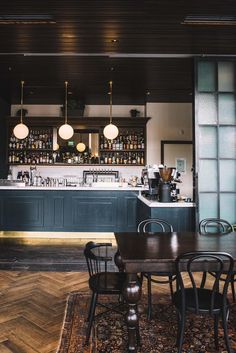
(160, 225)
(215, 226)
(222, 263)
(97, 258)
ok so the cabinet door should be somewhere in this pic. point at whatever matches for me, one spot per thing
(91, 211)
(54, 210)
(181, 218)
(127, 216)
(23, 212)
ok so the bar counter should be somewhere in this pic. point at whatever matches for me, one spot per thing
(84, 208)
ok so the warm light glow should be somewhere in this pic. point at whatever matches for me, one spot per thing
(21, 131)
(66, 131)
(110, 131)
(80, 147)
(55, 147)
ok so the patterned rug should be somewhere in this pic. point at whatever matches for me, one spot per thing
(158, 335)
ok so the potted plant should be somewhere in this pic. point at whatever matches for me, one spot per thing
(24, 112)
(75, 107)
(134, 113)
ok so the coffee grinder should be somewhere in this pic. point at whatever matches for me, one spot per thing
(165, 184)
(167, 189)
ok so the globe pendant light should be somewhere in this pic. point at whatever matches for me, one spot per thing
(66, 131)
(21, 131)
(80, 147)
(110, 131)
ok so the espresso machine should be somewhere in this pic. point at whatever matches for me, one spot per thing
(151, 178)
(167, 186)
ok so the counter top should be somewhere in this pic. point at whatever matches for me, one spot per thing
(74, 188)
(151, 203)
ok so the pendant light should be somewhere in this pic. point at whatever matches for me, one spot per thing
(110, 131)
(66, 131)
(80, 147)
(21, 131)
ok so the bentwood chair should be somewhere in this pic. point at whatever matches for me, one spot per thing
(159, 225)
(102, 282)
(201, 301)
(210, 226)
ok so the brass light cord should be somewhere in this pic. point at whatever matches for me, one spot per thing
(66, 87)
(21, 102)
(110, 101)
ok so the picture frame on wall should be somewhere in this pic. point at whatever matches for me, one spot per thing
(180, 165)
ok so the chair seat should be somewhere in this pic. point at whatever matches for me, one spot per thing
(107, 283)
(204, 298)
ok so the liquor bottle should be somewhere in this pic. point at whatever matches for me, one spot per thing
(101, 142)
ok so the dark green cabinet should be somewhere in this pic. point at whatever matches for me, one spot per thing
(21, 210)
(181, 218)
(58, 210)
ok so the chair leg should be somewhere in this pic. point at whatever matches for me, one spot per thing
(180, 334)
(232, 288)
(149, 287)
(216, 324)
(91, 316)
(203, 281)
(171, 287)
(90, 307)
(225, 328)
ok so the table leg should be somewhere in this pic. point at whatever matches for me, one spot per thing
(132, 294)
(118, 261)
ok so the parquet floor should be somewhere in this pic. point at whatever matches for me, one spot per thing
(32, 304)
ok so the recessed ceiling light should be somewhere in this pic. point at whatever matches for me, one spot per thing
(114, 40)
(26, 19)
(210, 20)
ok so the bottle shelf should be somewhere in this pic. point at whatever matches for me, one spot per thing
(20, 150)
(37, 148)
(124, 150)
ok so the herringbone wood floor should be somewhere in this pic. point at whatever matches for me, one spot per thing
(32, 306)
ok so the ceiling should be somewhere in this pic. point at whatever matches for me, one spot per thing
(143, 46)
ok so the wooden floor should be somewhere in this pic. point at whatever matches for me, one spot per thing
(32, 303)
(32, 306)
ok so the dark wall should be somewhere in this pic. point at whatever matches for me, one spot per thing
(4, 111)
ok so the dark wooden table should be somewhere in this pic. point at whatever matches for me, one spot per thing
(157, 252)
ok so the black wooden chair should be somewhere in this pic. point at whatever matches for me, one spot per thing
(102, 282)
(200, 301)
(210, 226)
(159, 225)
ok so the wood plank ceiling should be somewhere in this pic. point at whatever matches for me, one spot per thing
(143, 46)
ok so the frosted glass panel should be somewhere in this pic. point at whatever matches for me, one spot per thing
(206, 76)
(227, 175)
(227, 142)
(227, 113)
(207, 206)
(207, 175)
(207, 113)
(226, 76)
(207, 142)
(228, 207)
